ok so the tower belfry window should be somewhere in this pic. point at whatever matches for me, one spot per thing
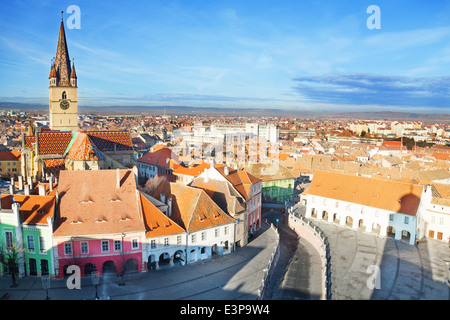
(64, 95)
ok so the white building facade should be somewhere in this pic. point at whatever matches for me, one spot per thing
(386, 208)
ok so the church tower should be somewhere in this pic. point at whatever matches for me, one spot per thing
(63, 88)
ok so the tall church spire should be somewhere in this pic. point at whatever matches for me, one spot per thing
(62, 60)
(63, 104)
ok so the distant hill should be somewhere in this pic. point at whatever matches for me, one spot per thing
(215, 111)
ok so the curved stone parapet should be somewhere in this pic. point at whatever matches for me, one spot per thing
(317, 238)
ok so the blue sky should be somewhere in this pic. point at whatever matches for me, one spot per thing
(303, 55)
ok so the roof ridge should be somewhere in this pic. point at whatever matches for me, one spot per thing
(199, 191)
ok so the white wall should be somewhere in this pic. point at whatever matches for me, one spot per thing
(372, 218)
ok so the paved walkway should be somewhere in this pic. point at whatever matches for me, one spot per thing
(406, 272)
(298, 273)
(236, 276)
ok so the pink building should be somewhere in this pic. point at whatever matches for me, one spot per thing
(99, 224)
(249, 187)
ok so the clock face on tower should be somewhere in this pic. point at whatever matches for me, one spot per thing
(64, 104)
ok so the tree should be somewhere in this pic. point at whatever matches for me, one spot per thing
(153, 183)
(10, 259)
(408, 143)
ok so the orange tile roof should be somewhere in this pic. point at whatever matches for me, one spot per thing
(192, 208)
(83, 149)
(54, 142)
(240, 179)
(111, 140)
(54, 166)
(383, 194)
(442, 189)
(193, 170)
(33, 209)
(47, 188)
(392, 143)
(157, 223)
(441, 156)
(98, 202)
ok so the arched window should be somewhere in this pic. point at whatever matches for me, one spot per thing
(64, 95)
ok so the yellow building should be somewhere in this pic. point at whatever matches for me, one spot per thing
(10, 163)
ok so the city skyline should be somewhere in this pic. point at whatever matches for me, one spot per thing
(313, 56)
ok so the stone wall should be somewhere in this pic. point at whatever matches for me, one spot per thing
(317, 238)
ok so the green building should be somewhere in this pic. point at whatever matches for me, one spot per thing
(277, 181)
(26, 225)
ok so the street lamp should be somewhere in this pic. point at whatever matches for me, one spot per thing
(46, 284)
(95, 276)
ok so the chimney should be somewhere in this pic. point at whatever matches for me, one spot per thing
(15, 207)
(226, 170)
(169, 204)
(20, 183)
(27, 190)
(50, 182)
(50, 222)
(30, 182)
(162, 197)
(42, 189)
(11, 189)
(12, 182)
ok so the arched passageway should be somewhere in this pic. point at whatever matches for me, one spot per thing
(109, 268)
(131, 265)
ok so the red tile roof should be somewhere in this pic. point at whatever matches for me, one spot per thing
(98, 202)
(10, 156)
(160, 156)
